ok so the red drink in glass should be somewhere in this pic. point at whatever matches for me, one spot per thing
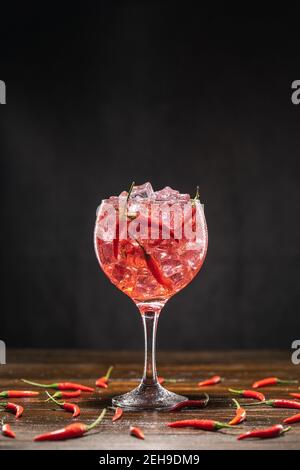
(150, 245)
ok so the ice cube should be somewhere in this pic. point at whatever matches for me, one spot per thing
(143, 191)
(167, 194)
(113, 200)
(184, 197)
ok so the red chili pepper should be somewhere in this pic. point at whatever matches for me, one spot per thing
(213, 381)
(71, 407)
(240, 414)
(283, 404)
(137, 432)
(116, 241)
(103, 381)
(62, 386)
(205, 424)
(279, 404)
(191, 404)
(71, 431)
(292, 419)
(272, 381)
(118, 414)
(249, 394)
(295, 395)
(18, 394)
(6, 430)
(16, 409)
(155, 269)
(273, 431)
(74, 394)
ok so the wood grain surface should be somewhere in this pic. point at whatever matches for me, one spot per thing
(238, 369)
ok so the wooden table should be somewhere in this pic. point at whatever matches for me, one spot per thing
(239, 370)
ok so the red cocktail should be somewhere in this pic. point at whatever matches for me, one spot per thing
(150, 245)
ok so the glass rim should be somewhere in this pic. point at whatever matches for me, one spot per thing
(154, 201)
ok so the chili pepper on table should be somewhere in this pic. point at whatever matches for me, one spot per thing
(248, 394)
(273, 431)
(16, 409)
(18, 394)
(272, 381)
(118, 414)
(292, 419)
(71, 407)
(204, 424)
(212, 381)
(137, 432)
(103, 381)
(6, 430)
(191, 404)
(279, 404)
(295, 395)
(71, 431)
(62, 394)
(240, 414)
(61, 386)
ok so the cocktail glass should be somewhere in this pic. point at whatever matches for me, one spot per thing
(150, 245)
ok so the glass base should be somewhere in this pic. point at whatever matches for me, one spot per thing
(148, 397)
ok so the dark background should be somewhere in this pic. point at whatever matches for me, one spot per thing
(106, 93)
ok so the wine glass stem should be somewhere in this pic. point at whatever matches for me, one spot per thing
(150, 320)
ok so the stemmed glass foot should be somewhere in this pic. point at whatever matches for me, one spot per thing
(148, 397)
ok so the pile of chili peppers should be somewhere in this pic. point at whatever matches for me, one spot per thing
(69, 390)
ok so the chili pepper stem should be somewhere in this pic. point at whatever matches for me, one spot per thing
(97, 421)
(264, 402)
(108, 373)
(287, 429)
(52, 398)
(36, 384)
(222, 425)
(124, 213)
(197, 195)
(287, 381)
(130, 190)
(233, 390)
(236, 403)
